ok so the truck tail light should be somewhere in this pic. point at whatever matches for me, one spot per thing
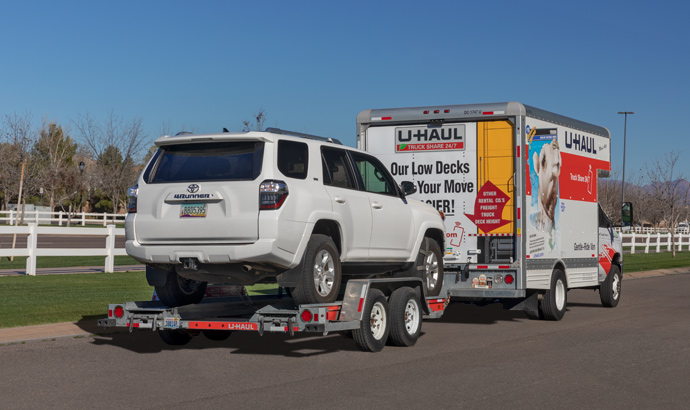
(119, 312)
(272, 194)
(132, 194)
(509, 279)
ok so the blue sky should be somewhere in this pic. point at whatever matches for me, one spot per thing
(314, 65)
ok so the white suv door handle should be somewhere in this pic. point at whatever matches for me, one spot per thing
(376, 205)
(339, 199)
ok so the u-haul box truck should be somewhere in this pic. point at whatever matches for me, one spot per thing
(518, 187)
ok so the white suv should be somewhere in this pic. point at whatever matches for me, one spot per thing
(242, 208)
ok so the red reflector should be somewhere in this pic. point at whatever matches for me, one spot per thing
(110, 313)
(509, 279)
(119, 311)
(518, 213)
(426, 112)
(488, 113)
(446, 111)
(503, 267)
(518, 151)
(482, 267)
(306, 316)
(386, 118)
(436, 111)
(361, 303)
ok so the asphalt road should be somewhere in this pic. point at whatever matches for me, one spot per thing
(636, 356)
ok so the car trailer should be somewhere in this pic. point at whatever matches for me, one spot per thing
(374, 310)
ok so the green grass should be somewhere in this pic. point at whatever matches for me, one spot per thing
(33, 300)
(651, 261)
(64, 261)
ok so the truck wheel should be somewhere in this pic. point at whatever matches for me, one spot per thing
(175, 337)
(179, 291)
(321, 274)
(406, 317)
(216, 335)
(375, 326)
(610, 288)
(555, 299)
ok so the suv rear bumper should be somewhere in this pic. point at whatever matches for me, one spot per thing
(264, 251)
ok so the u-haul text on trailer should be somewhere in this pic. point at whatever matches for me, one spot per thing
(518, 187)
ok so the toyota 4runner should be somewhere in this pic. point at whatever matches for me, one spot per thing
(242, 208)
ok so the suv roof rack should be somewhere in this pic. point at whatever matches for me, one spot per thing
(302, 135)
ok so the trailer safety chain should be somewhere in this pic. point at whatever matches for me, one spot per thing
(291, 329)
(154, 325)
(260, 328)
(131, 322)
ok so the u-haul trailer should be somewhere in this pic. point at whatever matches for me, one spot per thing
(518, 186)
(374, 310)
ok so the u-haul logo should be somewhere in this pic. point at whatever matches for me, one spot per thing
(582, 143)
(430, 138)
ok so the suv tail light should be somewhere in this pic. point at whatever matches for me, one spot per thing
(132, 194)
(272, 194)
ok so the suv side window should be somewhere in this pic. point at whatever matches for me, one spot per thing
(336, 169)
(374, 175)
(293, 159)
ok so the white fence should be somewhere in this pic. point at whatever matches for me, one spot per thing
(655, 242)
(32, 251)
(60, 218)
(639, 229)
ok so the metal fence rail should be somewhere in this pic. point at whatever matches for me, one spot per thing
(61, 218)
(655, 242)
(32, 251)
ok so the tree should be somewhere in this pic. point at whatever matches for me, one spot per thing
(53, 163)
(16, 138)
(116, 144)
(669, 190)
(257, 123)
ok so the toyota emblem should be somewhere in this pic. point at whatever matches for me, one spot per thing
(193, 189)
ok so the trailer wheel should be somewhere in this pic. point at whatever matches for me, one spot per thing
(321, 272)
(179, 291)
(175, 337)
(375, 326)
(555, 300)
(610, 288)
(216, 335)
(406, 317)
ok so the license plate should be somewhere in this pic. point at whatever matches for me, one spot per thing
(193, 211)
(173, 323)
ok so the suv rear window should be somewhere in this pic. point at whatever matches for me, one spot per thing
(216, 161)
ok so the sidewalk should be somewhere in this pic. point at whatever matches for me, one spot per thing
(43, 332)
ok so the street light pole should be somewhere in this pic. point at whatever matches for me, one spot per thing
(625, 131)
(81, 178)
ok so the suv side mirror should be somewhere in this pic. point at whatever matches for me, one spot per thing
(408, 187)
(627, 214)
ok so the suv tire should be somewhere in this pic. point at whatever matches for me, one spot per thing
(428, 267)
(321, 272)
(179, 291)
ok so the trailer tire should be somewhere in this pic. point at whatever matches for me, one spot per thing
(406, 317)
(175, 337)
(555, 299)
(610, 288)
(179, 291)
(216, 335)
(534, 314)
(321, 272)
(375, 325)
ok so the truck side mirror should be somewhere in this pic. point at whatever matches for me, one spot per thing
(408, 187)
(627, 214)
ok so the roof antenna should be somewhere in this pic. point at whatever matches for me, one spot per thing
(225, 129)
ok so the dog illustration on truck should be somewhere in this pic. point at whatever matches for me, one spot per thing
(519, 185)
